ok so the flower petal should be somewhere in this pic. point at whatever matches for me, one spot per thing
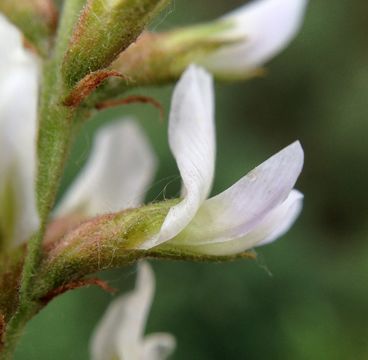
(274, 225)
(12, 47)
(103, 343)
(120, 332)
(241, 208)
(116, 176)
(280, 220)
(158, 346)
(267, 27)
(18, 107)
(192, 141)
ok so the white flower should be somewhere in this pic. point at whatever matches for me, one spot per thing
(18, 102)
(117, 175)
(119, 170)
(266, 27)
(257, 209)
(120, 334)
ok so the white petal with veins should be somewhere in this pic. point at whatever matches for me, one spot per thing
(192, 141)
(240, 217)
(274, 225)
(267, 27)
(238, 210)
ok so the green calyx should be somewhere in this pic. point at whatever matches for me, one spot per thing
(101, 243)
(104, 242)
(111, 241)
(159, 58)
(105, 28)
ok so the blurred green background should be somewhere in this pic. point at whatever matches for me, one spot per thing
(307, 295)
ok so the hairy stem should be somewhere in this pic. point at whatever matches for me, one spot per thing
(54, 138)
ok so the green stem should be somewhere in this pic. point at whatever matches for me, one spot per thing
(70, 13)
(14, 330)
(54, 139)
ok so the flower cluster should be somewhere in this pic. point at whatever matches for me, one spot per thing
(256, 210)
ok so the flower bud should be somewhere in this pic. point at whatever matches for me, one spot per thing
(158, 58)
(104, 29)
(233, 47)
